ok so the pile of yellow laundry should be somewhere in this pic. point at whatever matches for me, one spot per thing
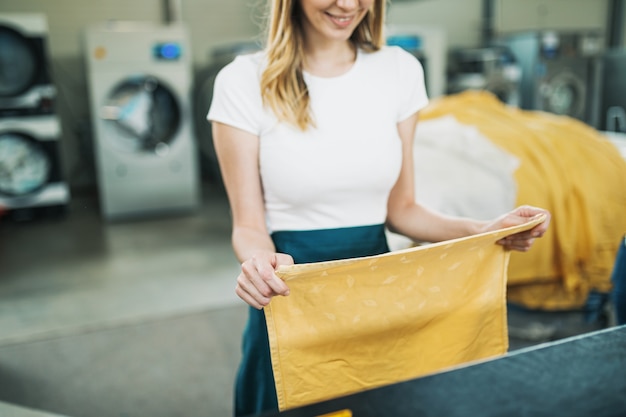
(568, 168)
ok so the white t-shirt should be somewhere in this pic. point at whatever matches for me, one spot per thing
(340, 173)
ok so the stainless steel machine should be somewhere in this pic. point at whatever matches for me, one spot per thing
(613, 103)
(30, 175)
(26, 87)
(559, 71)
(31, 179)
(492, 69)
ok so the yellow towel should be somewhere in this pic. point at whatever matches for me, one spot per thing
(360, 323)
(569, 169)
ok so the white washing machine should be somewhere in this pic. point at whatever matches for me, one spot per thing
(429, 45)
(26, 87)
(140, 93)
(30, 174)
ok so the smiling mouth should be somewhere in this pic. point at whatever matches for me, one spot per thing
(341, 20)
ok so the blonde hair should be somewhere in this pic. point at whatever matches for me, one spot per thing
(282, 84)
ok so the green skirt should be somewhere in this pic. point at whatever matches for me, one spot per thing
(255, 390)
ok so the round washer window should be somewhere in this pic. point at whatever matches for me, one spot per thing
(565, 94)
(18, 63)
(144, 115)
(24, 165)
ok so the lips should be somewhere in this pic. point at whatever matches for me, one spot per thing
(341, 21)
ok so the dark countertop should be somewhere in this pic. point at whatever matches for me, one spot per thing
(579, 376)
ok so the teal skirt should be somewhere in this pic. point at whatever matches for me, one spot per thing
(255, 391)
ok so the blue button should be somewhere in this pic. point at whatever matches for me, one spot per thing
(409, 42)
(168, 51)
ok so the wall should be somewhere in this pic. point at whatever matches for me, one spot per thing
(462, 26)
(550, 14)
(215, 22)
(462, 19)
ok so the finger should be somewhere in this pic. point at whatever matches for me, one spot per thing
(520, 236)
(522, 239)
(532, 213)
(277, 285)
(529, 211)
(253, 283)
(540, 229)
(283, 259)
(260, 298)
(519, 248)
(270, 279)
(537, 232)
(261, 271)
(519, 245)
(245, 296)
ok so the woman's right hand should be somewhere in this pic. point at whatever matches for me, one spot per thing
(258, 283)
(238, 153)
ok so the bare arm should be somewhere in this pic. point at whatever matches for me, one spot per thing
(410, 219)
(238, 154)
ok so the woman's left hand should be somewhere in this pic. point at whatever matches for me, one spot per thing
(521, 241)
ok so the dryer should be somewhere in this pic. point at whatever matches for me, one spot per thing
(140, 94)
(30, 173)
(558, 71)
(492, 69)
(613, 103)
(26, 87)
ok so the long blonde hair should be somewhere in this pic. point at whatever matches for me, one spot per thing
(282, 83)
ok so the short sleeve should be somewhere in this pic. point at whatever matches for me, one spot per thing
(236, 97)
(412, 95)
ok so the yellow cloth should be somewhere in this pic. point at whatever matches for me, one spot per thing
(568, 168)
(359, 323)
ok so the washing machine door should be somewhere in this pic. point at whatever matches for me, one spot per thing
(25, 167)
(19, 62)
(144, 115)
(564, 94)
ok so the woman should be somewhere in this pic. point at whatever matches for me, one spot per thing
(315, 136)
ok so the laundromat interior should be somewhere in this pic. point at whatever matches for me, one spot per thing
(117, 274)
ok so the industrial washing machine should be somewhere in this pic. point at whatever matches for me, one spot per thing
(559, 71)
(492, 69)
(26, 87)
(140, 94)
(30, 175)
(613, 102)
(31, 180)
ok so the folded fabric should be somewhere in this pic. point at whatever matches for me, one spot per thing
(360, 323)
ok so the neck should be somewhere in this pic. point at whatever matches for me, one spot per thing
(330, 59)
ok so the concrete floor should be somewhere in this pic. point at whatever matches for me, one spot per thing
(69, 273)
(138, 318)
(130, 318)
